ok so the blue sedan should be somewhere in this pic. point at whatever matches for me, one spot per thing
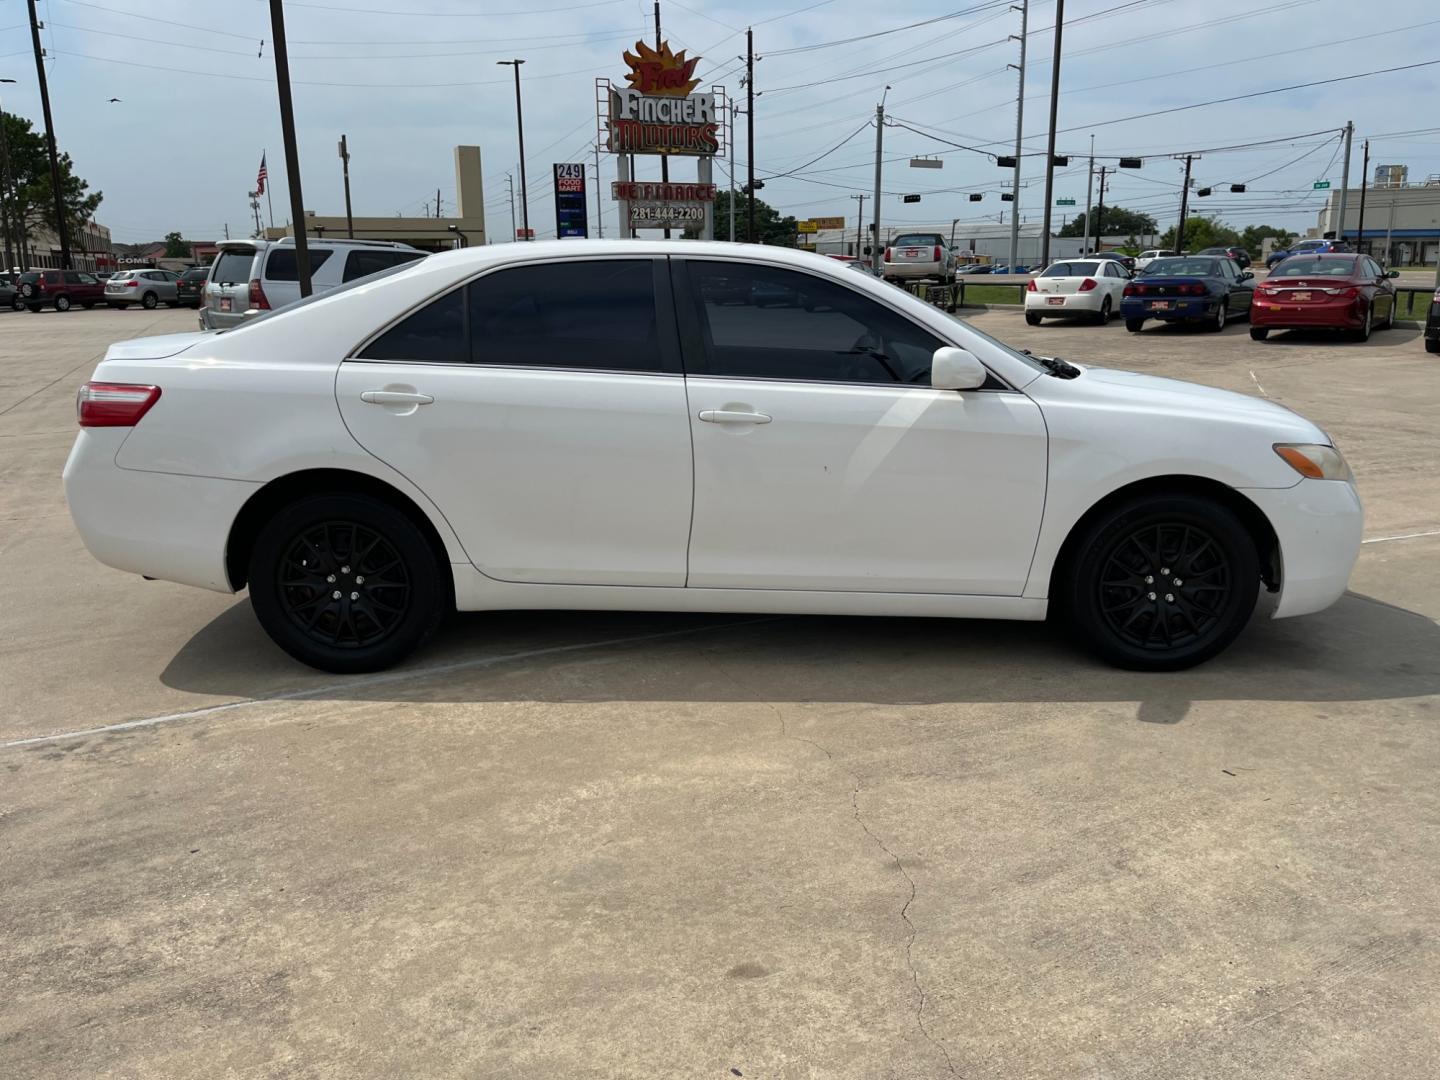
(1207, 290)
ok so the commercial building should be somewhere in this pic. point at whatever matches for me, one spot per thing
(90, 249)
(1402, 220)
(466, 229)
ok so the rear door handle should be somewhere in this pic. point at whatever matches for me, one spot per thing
(733, 416)
(395, 397)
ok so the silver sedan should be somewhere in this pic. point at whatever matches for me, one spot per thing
(148, 288)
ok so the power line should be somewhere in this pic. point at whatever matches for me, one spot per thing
(452, 14)
(893, 30)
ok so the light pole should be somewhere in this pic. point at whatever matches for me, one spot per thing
(62, 227)
(520, 127)
(5, 187)
(292, 155)
(345, 165)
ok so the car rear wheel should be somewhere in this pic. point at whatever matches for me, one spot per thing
(1432, 345)
(1259, 333)
(1032, 319)
(1134, 325)
(1366, 325)
(150, 300)
(62, 303)
(1103, 316)
(346, 583)
(1162, 582)
(1218, 322)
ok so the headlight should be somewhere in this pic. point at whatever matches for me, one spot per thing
(1316, 461)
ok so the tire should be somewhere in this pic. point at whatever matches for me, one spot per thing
(1363, 334)
(1139, 549)
(150, 301)
(32, 308)
(119, 307)
(1103, 316)
(1432, 345)
(62, 303)
(87, 304)
(1032, 319)
(1259, 333)
(1134, 325)
(285, 595)
(1389, 323)
(1218, 322)
(17, 304)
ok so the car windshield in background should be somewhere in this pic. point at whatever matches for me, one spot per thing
(917, 240)
(1072, 269)
(233, 267)
(1310, 266)
(1183, 268)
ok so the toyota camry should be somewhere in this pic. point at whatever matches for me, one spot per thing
(690, 427)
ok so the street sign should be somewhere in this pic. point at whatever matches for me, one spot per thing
(829, 223)
(909, 198)
(926, 163)
(806, 227)
(1321, 185)
(524, 234)
(1064, 202)
(571, 217)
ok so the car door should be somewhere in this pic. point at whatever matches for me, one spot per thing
(542, 408)
(1114, 282)
(1242, 291)
(1382, 289)
(825, 461)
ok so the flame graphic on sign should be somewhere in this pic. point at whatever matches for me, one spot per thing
(660, 71)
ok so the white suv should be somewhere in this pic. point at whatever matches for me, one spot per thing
(250, 276)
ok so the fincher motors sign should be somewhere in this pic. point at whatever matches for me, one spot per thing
(658, 113)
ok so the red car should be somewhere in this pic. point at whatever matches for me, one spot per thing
(1333, 291)
(61, 289)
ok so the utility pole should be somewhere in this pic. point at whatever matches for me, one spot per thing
(1364, 177)
(876, 249)
(1050, 147)
(11, 262)
(292, 155)
(520, 127)
(1019, 124)
(61, 226)
(227, 230)
(664, 158)
(1184, 208)
(345, 166)
(859, 224)
(730, 148)
(749, 130)
(1099, 213)
(1089, 186)
(510, 185)
(599, 203)
(1345, 180)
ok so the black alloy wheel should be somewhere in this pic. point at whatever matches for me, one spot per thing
(1163, 583)
(346, 583)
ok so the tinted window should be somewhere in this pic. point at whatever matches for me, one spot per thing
(1114, 270)
(72, 278)
(1314, 266)
(434, 334)
(196, 273)
(232, 267)
(917, 240)
(87, 279)
(768, 323)
(585, 314)
(1183, 268)
(281, 264)
(362, 263)
(1075, 269)
(1372, 268)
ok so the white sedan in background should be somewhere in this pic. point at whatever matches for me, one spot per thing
(623, 424)
(1076, 287)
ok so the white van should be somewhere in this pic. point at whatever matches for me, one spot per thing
(249, 276)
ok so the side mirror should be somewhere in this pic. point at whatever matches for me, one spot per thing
(1393, 273)
(956, 369)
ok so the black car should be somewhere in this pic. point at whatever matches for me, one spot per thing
(1127, 261)
(1239, 254)
(1188, 288)
(1432, 325)
(190, 289)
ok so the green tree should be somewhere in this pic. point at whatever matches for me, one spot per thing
(29, 196)
(176, 246)
(1115, 221)
(1202, 233)
(770, 227)
(1254, 235)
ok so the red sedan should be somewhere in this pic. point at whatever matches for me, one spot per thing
(1335, 291)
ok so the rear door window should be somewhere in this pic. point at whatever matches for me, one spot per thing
(281, 264)
(233, 267)
(362, 263)
(436, 334)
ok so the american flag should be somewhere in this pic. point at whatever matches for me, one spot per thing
(260, 179)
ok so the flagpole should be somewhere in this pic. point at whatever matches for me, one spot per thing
(268, 203)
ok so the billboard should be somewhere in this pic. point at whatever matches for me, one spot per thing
(570, 204)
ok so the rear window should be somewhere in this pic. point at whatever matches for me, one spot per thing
(1183, 268)
(1310, 266)
(283, 266)
(195, 273)
(233, 267)
(123, 275)
(1072, 269)
(918, 240)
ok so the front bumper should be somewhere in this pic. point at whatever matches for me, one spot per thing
(161, 525)
(1200, 307)
(1318, 524)
(1321, 314)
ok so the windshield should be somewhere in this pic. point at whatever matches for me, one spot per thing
(1072, 269)
(917, 240)
(1182, 268)
(1310, 266)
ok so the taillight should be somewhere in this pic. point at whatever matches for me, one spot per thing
(1030, 287)
(937, 252)
(40, 283)
(1087, 284)
(103, 404)
(1132, 290)
(132, 284)
(258, 301)
(1344, 294)
(1193, 290)
(887, 254)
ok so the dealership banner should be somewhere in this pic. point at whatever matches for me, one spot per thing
(570, 205)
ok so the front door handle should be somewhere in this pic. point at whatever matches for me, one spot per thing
(733, 416)
(395, 397)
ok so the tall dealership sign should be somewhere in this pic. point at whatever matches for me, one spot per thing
(659, 113)
(570, 206)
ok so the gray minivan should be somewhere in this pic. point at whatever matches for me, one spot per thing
(250, 276)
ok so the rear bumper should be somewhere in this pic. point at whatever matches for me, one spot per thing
(210, 319)
(1324, 314)
(1086, 303)
(1200, 307)
(161, 525)
(1319, 524)
(911, 271)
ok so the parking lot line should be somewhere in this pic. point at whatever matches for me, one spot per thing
(1402, 536)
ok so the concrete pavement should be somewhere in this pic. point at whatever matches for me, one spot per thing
(574, 845)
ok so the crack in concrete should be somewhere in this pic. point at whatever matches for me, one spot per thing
(912, 930)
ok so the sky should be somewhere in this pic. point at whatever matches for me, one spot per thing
(407, 80)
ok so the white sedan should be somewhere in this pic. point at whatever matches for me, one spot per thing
(1088, 287)
(690, 427)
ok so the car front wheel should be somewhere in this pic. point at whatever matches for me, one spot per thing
(346, 583)
(1161, 582)
(62, 303)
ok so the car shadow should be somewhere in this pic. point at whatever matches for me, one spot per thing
(1360, 649)
(1399, 334)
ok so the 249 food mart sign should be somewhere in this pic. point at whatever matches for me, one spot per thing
(658, 113)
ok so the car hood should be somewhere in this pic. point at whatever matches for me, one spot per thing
(155, 348)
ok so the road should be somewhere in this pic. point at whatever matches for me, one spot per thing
(586, 845)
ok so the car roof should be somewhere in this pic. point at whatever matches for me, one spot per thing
(1334, 255)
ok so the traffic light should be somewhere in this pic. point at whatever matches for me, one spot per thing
(1202, 193)
(1006, 196)
(1237, 189)
(977, 197)
(1131, 162)
(1005, 162)
(1057, 160)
